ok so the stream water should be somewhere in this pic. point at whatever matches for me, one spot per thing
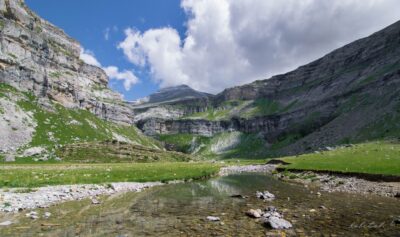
(181, 210)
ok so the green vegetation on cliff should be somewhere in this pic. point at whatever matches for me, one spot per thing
(227, 145)
(116, 152)
(59, 125)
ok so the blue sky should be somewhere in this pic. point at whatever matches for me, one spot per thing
(87, 21)
(210, 44)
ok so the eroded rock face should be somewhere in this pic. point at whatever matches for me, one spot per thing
(16, 125)
(38, 57)
(334, 99)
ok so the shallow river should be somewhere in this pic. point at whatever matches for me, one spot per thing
(181, 210)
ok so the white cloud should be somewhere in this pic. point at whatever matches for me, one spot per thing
(128, 77)
(230, 42)
(88, 57)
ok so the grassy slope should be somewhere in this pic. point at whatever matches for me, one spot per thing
(57, 174)
(372, 158)
(66, 126)
(106, 152)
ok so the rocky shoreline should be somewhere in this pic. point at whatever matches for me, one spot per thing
(324, 182)
(18, 199)
(342, 183)
(224, 171)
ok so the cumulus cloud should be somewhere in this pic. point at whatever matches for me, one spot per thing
(231, 42)
(88, 57)
(127, 77)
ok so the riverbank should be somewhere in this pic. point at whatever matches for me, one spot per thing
(15, 200)
(39, 175)
(341, 183)
(323, 181)
(28, 197)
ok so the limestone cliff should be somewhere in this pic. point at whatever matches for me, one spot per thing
(37, 57)
(351, 94)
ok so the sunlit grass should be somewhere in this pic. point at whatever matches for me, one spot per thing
(371, 158)
(25, 175)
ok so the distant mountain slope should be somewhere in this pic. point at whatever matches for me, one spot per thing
(170, 95)
(352, 94)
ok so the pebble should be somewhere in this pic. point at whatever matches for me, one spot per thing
(33, 215)
(95, 201)
(5, 223)
(254, 213)
(213, 218)
(265, 195)
(47, 215)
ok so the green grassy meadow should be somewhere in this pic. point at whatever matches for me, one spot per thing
(381, 157)
(36, 175)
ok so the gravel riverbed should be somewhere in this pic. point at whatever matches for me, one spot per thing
(17, 199)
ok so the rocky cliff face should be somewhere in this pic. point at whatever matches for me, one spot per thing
(37, 57)
(349, 95)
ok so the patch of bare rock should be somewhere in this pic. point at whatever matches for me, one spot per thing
(246, 168)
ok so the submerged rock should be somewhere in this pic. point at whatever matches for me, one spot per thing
(254, 213)
(95, 201)
(265, 195)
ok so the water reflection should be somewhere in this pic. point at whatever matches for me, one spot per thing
(181, 209)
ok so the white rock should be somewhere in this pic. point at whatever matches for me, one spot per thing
(33, 151)
(277, 223)
(47, 215)
(254, 213)
(265, 195)
(213, 218)
(5, 223)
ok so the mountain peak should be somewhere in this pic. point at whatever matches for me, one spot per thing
(172, 94)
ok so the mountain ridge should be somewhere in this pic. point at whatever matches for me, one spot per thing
(332, 100)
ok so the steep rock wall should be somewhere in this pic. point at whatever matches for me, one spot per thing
(37, 57)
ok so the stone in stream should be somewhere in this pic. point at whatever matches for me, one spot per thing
(5, 223)
(265, 195)
(33, 215)
(254, 213)
(213, 218)
(277, 223)
(47, 215)
(95, 201)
